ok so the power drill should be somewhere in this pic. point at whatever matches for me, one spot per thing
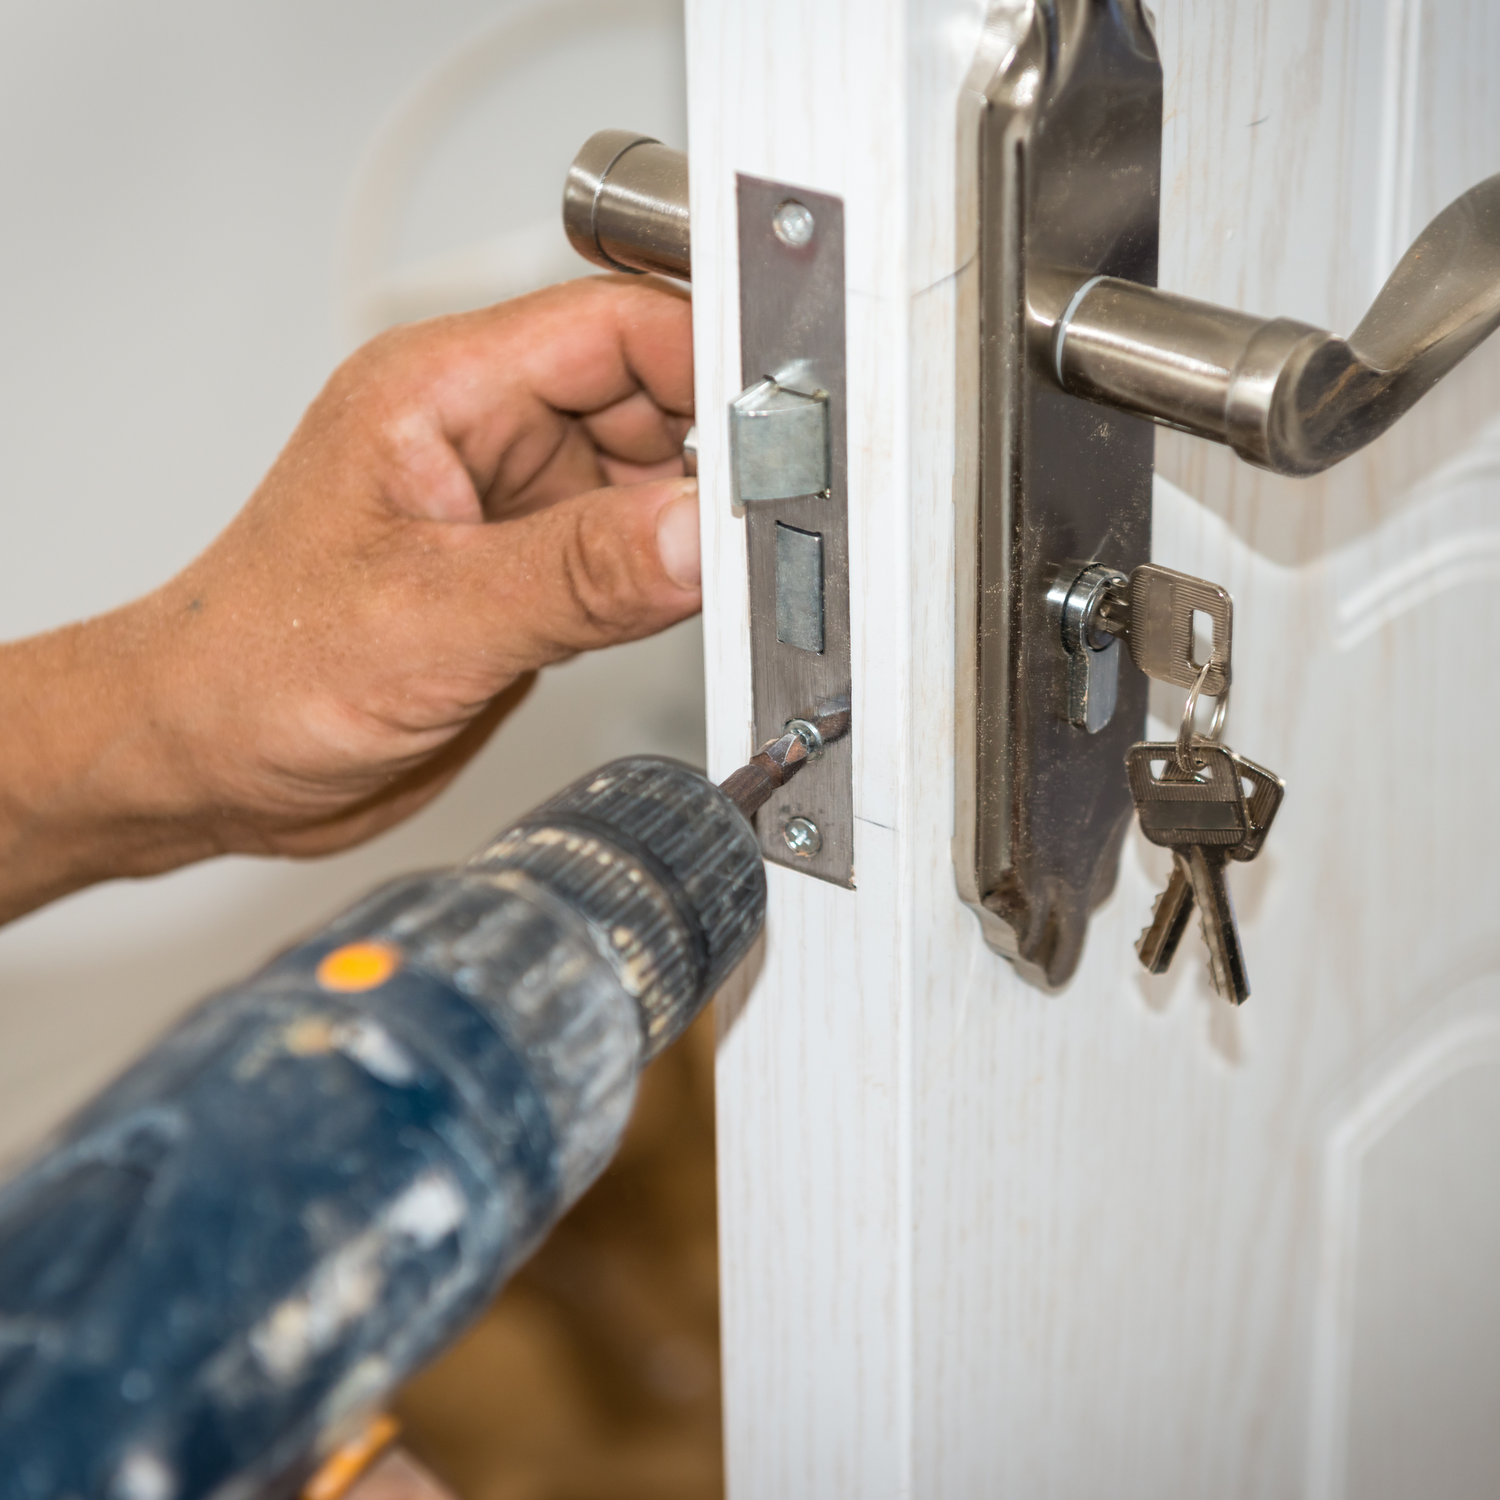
(227, 1261)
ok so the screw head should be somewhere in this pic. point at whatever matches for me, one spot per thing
(793, 223)
(802, 836)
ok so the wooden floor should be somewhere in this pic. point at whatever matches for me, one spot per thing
(596, 1373)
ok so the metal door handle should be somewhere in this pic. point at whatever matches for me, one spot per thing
(625, 204)
(1284, 395)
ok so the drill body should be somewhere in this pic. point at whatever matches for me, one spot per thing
(233, 1256)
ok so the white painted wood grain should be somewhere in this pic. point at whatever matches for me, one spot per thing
(981, 1241)
(1456, 1036)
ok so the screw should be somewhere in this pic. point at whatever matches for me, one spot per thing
(793, 223)
(802, 836)
(810, 736)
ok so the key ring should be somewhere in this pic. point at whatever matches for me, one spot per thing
(1187, 762)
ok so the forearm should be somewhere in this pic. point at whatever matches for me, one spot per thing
(89, 787)
(467, 501)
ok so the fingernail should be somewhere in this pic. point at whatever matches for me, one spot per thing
(677, 538)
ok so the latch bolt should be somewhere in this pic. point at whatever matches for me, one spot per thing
(778, 443)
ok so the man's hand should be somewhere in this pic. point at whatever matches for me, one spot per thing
(468, 500)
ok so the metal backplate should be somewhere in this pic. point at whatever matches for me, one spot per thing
(792, 331)
(1069, 165)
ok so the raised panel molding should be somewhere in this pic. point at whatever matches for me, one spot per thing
(1446, 537)
(1460, 1037)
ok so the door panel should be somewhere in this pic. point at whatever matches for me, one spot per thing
(1124, 1240)
(1406, 1383)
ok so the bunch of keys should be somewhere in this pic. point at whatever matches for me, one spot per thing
(1198, 809)
(1197, 806)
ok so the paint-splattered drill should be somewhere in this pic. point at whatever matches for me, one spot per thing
(229, 1259)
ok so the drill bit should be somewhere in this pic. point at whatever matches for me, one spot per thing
(778, 760)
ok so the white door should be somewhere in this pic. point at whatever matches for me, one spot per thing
(1124, 1240)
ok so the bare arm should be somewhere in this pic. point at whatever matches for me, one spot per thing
(468, 500)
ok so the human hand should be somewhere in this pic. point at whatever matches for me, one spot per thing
(468, 500)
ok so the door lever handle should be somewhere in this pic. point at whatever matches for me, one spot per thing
(1285, 396)
(625, 204)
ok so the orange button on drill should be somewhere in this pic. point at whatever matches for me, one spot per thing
(358, 966)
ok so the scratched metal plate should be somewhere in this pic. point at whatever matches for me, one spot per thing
(792, 329)
(1069, 185)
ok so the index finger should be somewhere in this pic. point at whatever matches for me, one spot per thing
(602, 339)
(502, 385)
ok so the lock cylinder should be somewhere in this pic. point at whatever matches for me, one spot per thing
(625, 204)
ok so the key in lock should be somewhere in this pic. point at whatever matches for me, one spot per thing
(1153, 612)
(1077, 598)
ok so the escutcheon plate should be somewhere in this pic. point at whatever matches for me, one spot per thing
(1066, 106)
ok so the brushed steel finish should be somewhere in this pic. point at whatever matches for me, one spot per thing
(778, 443)
(1177, 810)
(1069, 165)
(792, 330)
(1093, 654)
(1207, 818)
(1159, 628)
(1284, 395)
(625, 204)
(1157, 946)
(625, 207)
(1221, 932)
(799, 588)
(1262, 802)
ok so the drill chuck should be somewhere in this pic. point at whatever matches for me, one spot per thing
(233, 1255)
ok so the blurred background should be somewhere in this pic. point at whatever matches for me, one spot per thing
(204, 209)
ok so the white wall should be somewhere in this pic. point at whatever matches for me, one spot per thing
(202, 208)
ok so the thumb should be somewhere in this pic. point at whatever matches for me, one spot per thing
(608, 566)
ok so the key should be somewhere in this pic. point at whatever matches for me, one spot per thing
(1220, 930)
(1160, 637)
(1267, 790)
(1157, 945)
(1154, 613)
(1177, 811)
(1202, 818)
(1226, 958)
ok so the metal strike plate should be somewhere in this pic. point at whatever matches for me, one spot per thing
(789, 452)
(1068, 111)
